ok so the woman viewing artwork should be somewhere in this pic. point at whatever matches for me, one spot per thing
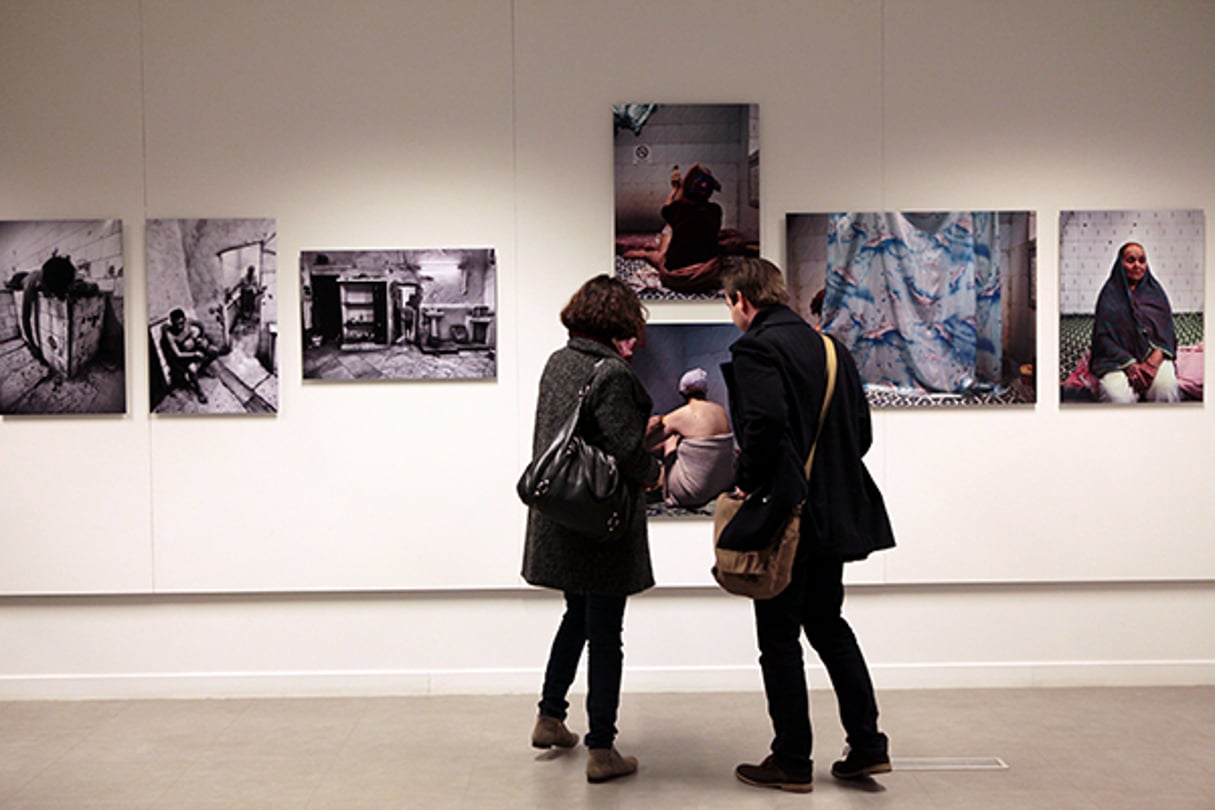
(1134, 339)
(605, 320)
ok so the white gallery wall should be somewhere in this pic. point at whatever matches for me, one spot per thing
(367, 537)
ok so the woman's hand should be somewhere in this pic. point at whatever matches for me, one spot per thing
(1141, 376)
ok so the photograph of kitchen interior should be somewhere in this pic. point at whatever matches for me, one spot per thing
(425, 314)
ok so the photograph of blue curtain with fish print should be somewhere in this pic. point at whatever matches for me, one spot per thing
(916, 297)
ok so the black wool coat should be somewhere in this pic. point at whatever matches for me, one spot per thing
(614, 419)
(777, 378)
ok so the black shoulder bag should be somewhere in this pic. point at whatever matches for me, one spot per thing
(577, 485)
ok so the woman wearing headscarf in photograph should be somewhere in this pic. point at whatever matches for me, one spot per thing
(1134, 340)
(605, 319)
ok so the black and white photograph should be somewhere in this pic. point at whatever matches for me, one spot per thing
(936, 307)
(62, 345)
(212, 316)
(689, 430)
(687, 195)
(1131, 306)
(408, 314)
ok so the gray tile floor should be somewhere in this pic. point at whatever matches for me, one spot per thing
(28, 387)
(401, 361)
(236, 382)
(1082, 749)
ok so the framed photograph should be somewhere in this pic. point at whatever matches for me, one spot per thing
(62, 348)
(1131, 306)
(936, 307)
(212, 316)
(687, 195)
(690, 433)
(427, 314)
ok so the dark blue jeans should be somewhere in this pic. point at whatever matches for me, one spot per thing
(596, 620)
(812, 603)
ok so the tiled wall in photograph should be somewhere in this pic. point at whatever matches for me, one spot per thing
(1089, 242)
(714, 135)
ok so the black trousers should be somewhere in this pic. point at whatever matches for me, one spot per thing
(597, 621)
(813, 603)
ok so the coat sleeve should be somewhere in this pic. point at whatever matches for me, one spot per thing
(850, 388)
(621, 410)
(764, 415)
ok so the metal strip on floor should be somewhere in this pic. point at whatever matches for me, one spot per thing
(948, 764)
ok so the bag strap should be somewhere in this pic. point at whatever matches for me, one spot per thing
(586, 387)
(585, 390)
(822, 417)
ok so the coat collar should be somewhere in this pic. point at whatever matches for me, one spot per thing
(593, 347)
(773, 315)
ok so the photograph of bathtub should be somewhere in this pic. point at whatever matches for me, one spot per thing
(212, 316)
(409, 314)
(62, 344)
(686, 195)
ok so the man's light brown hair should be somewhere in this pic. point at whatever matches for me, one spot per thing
(759, 280)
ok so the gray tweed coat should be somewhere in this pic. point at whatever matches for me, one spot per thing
(614, 418)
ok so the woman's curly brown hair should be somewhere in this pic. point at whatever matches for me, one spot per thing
(605, 308)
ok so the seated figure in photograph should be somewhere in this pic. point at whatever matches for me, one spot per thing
(688, 254)
(697, 446)
(1134, 339)
(187, 350)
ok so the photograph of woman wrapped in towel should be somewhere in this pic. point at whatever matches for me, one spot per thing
(689, 429)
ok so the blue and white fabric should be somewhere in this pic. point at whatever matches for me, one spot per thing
(916, 298)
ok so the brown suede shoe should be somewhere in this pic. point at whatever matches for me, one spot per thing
(603, 764)
(550, 731)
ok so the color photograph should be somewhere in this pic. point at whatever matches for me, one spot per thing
(1131, 306)
(687, 195)
(937, 308)
(212, 316)
(399, 314)
(689, 430)
(62, 344)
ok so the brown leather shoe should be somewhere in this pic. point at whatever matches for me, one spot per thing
(550, 731)
(603, 764)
